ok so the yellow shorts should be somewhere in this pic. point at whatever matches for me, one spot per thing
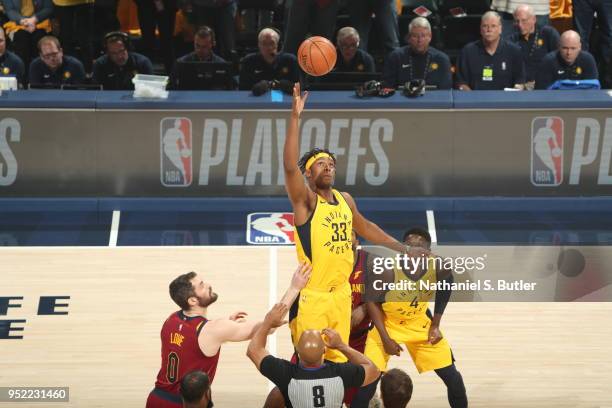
(317, 310)
(414, 334)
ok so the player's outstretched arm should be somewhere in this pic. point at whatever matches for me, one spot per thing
(294, 181)
(220, 331)
(334, 341)
(442, 298)
(298, 282)
(370, 231)
(257, 347)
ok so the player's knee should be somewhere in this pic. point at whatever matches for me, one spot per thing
(364, 395)
(452, 378)
(275, 399)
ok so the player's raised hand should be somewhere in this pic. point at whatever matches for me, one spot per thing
(391, 347)
(275, 317)
(434, 335)
(299, 99)
(331, 338)
(239, 316)
(301, 276)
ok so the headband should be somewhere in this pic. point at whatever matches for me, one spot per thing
(314, 158)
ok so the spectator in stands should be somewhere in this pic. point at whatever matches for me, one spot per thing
(52, 67)
(268, 64)
(203, 44)
(10, 63)
(219, 15)
(395, 388)
(418, 60)
(160, 15)
(317, 17)
(541, 9)
(569, 62)
(350, 57)
(385, 15)
(76, 20)
(115, 70)
(490, 63)
(29, 22)
(584, 15)
(534, 40)
(195, 390)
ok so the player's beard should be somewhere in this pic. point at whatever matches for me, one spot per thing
(209, 300)
(323, 182)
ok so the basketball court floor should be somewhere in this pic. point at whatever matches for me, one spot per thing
(109, 264)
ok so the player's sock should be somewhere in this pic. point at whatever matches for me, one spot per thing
(364, 395)
(457, 397)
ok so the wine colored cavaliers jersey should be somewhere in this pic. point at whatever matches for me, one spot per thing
(325, 242)
(357, 291)
(181, 353)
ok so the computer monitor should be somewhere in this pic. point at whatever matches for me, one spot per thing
(204, 76)
(342, 81)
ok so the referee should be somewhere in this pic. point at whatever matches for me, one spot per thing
(312, 382)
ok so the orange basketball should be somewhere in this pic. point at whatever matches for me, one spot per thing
(317, 56)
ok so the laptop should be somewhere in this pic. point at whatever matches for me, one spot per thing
(342, 81)
(204, 76)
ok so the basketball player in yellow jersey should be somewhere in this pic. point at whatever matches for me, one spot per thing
(404, 318)
(324, 219)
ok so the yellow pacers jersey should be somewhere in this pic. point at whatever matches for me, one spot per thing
(413, 299)
(325, 242)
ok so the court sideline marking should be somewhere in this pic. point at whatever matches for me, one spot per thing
(431, 226)
(114, 231)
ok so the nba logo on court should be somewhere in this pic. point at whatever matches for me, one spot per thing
(547, 151)
(270, 228)
(176, 152)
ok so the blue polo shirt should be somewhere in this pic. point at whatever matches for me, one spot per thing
(403, 65)
(361, 62)
(482, 71)
(554, 68)
(70, 72)
(535, 47)
(253, 68)
(12, 66)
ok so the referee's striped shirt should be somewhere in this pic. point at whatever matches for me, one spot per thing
(319, 387)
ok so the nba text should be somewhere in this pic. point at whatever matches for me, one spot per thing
(47, 306)
(10, 131)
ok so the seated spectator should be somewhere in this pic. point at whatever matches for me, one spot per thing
(203, 44)
(350, 57)
(52, 67)
(418, 60)
(219, 15)
(10, 64)
(505, 8)
(490, 63)
(395, 389)
(569, 62)
(29, 22)
(195, 390)
(267, 64)
(534, 40)
(115, 70)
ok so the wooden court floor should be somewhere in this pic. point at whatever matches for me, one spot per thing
(107, 348)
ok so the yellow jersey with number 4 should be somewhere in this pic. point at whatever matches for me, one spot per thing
(325, 242)
(413, 298)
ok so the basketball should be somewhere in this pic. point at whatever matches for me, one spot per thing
(317, 56)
